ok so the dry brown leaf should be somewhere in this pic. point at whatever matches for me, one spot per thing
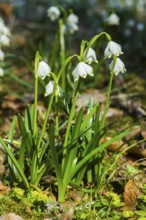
(76, 196)
(3, 189)
(143, 133)
(115, 145)
(6, 9)
(130, 195)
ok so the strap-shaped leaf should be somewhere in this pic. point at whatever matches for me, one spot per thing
(16, 164)
(97, 150)
(21, 125)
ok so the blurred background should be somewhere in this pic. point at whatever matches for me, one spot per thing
(32, 29)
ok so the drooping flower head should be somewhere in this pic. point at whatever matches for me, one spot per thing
(112, 49)
(53, 13)
(82, 70)
(2, 55)
(117, 67)
(43, 70)
(72, 23)
(50, 88)
(72, 18)
(91, 56)
(1, 72)
(4, 40)
(113, 19)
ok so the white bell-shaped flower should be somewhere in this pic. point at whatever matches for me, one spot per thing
(72, 23)
(50, 88)
(82, 70)
(112, 49)
(4, 40)
(91, 56)
(117, 67)
(72, 18)
(1, 72)
(53, 13)
(113, 19)
(43, 70)
(72, 27)
(6, 31)
(2, 55)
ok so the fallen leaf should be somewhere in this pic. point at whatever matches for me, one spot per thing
(115, 145)
(130, 195)
(3, 189)
(6, 9)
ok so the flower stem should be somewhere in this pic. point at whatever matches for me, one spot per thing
(45, 121)
(71, 115)
(62, 46)
(107, 102)
(56, 115)
(35, 93)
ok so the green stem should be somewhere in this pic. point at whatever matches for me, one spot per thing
(107, 102)
(61, 193)
(62, 46)
(56, 116)
(35, 94)
(71, 115)
(95, 38)
(46, 119)
(108, 95)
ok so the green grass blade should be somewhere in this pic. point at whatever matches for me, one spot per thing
(97, 150)
(15, 162)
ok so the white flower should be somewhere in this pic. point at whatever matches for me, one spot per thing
(82, 70)
(72, 23)
(53, 13)
(118, 67)
(72, 27)
(43, 70)
(113, 19)
(4, 40)
(3, 28)
(91, 56)
(2, 55)
(1, 72)
(50, 88)
(112, 49)
(1, 21)
(72, 18)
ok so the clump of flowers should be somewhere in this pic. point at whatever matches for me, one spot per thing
(114, 50)
(70, 23)
(68, 162)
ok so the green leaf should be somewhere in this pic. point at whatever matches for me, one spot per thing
(21, 125)
(16, 164)
(99, 149)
